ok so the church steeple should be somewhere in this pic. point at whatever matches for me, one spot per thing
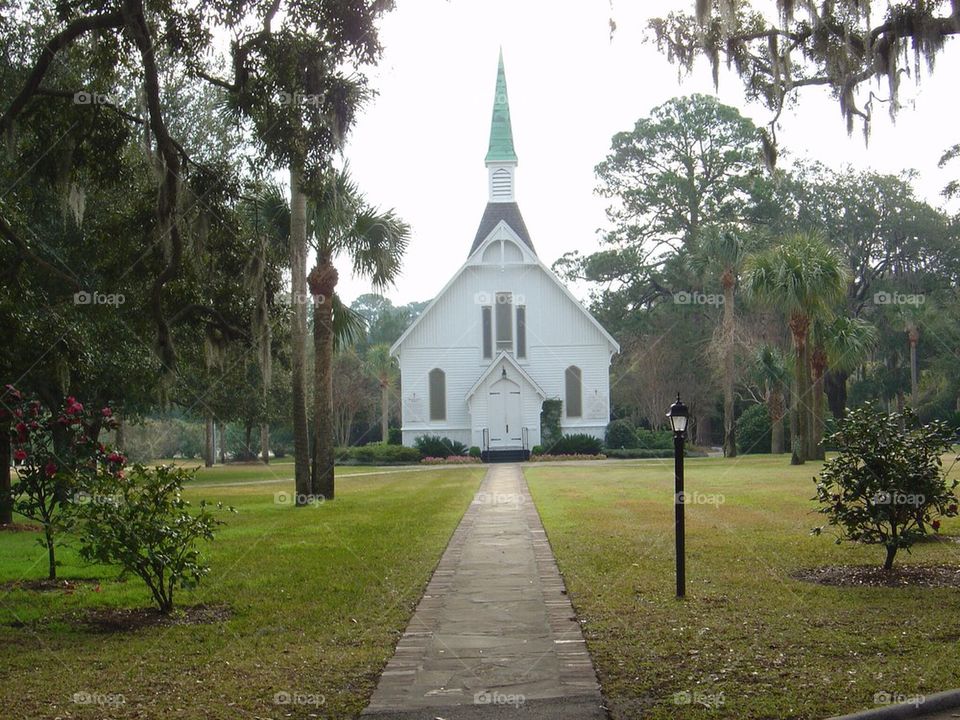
(501, 158)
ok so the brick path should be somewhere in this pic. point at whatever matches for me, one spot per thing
(494, 636)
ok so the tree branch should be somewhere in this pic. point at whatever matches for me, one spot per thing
(54, 45)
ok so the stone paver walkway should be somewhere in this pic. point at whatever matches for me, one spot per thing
(494, 636)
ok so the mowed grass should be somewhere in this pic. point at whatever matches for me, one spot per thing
(774, 647)
(318, 597)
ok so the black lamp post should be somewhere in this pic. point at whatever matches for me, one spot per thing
(678, 422)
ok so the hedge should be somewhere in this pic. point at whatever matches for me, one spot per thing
(376, 454)
(646, 453)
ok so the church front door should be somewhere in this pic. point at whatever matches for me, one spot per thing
(504, 415)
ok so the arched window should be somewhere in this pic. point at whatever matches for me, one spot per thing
(574, 387)
(438, 394)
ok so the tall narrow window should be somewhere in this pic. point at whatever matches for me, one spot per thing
(574, 385)
(504, 322)
(521, 331)
(487, 316)
(438, 394)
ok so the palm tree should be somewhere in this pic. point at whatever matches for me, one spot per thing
(842, 343)
(771, 371)
(722, 255)
(384, 368)
(374, 241)
(803, 277)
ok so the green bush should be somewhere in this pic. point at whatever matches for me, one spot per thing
(377, 454)
(440, 447)
(475, 452)
(551, 413)
(637, 453)
(621, 434)
(576, 444)
(646, 453)
(886, 486)
(753, 430)
(654, 439)
(537, 450)
(394, 436)
(142, 523)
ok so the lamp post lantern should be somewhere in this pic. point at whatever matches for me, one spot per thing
(678, 415)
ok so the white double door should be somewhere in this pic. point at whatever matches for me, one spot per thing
(505, 420)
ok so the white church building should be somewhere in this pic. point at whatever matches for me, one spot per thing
(503, 335)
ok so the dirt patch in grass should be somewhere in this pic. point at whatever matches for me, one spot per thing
(873, 576)
(20, 527)
(65, 585)
(119, 620)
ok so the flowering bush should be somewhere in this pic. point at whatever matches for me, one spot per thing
(57, 459)
(886, 485)
(562, 458)
(451, 460)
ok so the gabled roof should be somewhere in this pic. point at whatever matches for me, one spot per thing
(501, 133)
(516, 366)
(550, 274)
(508, 213)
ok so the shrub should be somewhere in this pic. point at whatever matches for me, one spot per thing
(551, 413)
(562, 458)
(475, 452)
(56, 459)
(753, 430)
(451, 460)
(394, 436)
(142, 523)
(377, 454)
(536, 450)
(654, 439)
(576, 444)
(886, 486)
(436, 446)
(637, 453)
(621, 434)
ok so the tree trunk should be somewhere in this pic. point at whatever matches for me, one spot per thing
(323, 282)
(6, 499)
(248, 441)
(120, 434)
(265, 443)
(298, 333)
(209, 441)
(775, 410)
(51, 554)
(799, 327)
(835, 386)
(818, 366)
(729, 428)
(384, 412)
(222, 428)
(914, 369)
(891, 554)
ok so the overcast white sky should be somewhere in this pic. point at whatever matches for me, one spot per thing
(419, 147)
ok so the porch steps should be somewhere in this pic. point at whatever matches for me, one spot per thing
(510, 455)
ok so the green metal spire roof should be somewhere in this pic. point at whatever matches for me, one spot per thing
(501, 134)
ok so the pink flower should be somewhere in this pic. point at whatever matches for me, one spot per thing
(935, 525)
(13, 392)
(116, 457)
(50, 469)
(106, 412)
(952, 509)
(19, 455)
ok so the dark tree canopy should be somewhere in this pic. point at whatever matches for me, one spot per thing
(779, 47)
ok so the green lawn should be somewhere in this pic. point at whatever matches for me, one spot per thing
(773, 646)
(319, 596)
